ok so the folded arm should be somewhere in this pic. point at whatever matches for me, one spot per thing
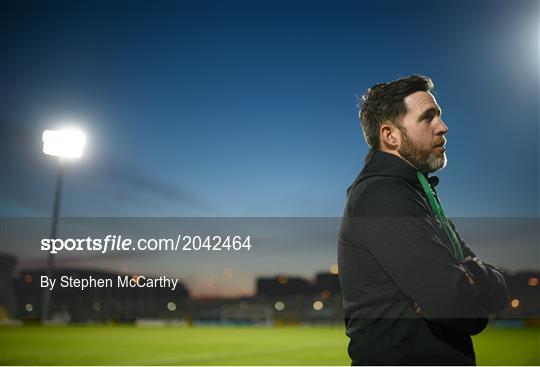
(392, 221)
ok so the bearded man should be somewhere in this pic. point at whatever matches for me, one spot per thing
(413, 291)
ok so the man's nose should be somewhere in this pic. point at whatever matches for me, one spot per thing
(441, 127)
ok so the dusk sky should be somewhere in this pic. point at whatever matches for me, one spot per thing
(243, 109)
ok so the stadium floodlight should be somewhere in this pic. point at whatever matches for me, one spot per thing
(64, 143)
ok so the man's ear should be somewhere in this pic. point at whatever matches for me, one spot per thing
(390, 136)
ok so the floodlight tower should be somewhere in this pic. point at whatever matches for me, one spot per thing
(63, 144)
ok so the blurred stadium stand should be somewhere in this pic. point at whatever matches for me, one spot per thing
(280, 299)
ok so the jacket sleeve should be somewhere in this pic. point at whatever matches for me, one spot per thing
(491, 282)
(393, 223)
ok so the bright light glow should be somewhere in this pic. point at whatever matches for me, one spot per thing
(515, 303)
(318, 305)
(282, 279)
(279, 306)
(171, 306)
(29, 307)
(532, 281)
(334, 269)
(64, 143)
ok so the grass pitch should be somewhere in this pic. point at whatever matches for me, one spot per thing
(130, 345)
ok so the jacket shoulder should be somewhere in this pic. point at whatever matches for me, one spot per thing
(386, 196)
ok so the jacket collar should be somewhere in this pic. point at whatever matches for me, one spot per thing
(380, 163)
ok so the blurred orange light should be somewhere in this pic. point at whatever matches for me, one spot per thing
(514, 303)
(28, 278)
(282, 279)
(325, 294)
(532, 282)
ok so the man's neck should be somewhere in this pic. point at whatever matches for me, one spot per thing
(396, 153)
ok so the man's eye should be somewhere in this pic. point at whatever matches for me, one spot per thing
(429, 117)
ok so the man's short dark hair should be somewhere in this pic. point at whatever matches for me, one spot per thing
(385, 102)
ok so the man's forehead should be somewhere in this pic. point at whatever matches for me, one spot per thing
(420, 101)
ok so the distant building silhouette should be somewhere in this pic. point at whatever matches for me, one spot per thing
(327, 282)
(284, 286)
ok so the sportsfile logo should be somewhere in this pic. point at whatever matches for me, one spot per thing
(121, 243)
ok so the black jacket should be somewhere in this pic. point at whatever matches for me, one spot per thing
(407, 299)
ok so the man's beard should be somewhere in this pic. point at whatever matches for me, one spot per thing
(424, 161)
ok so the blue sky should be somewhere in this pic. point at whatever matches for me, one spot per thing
(249, 108)
(238, 109)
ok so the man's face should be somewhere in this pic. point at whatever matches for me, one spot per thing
(423, 133)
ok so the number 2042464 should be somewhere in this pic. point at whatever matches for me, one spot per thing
(216, 243)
